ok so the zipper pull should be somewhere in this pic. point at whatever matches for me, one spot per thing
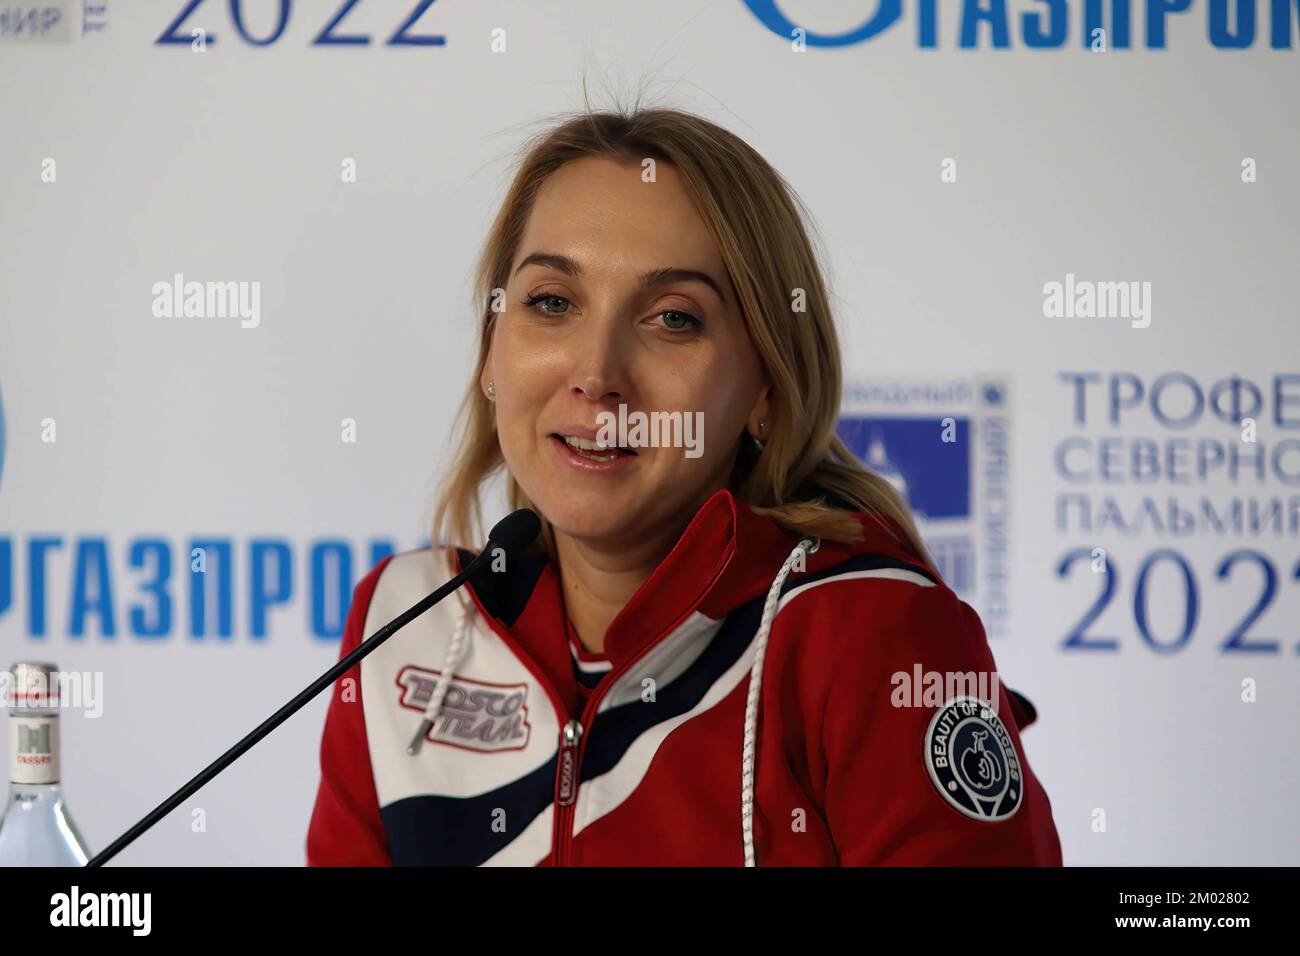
(570, 737)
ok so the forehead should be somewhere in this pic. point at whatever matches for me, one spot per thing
(602, 214)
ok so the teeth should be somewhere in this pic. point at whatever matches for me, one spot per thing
(586, 444)
(589, 449)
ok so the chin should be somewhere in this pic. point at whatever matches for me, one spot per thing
(590, 528)
(591, 518)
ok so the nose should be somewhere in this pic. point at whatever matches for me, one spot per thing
(600, 363)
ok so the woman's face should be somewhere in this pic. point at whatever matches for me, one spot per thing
(618, 296)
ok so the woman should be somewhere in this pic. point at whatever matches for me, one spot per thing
(700, 664)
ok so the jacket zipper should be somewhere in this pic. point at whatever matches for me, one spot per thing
(569, 757)
(567, 779)
(566, 791)
(573, 743)
(573, 737)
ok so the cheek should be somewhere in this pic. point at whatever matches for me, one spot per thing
(724, 418)
(527, 374)
(722, 393)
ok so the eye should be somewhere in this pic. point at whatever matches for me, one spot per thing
(533, 302)
(679, 321)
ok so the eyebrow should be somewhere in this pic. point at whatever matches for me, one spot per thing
(661, 276)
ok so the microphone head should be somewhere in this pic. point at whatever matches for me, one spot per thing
(515, 531)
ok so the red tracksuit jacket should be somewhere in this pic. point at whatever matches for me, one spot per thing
(540, 753)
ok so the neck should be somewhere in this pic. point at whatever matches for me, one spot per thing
(597, 581)
(598, 578)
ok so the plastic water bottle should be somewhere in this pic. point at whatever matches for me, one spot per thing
(36, 829)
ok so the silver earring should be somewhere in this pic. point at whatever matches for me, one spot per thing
(758, 442)
(492, 392)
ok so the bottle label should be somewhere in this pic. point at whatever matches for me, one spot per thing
(34, 743)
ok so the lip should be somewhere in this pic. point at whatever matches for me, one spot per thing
(585, 465)
(577, 431)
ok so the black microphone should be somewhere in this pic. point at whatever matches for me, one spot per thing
(511, 534)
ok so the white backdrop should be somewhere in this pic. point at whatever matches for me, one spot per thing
(225, 165)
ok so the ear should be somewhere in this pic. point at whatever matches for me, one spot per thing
(759, 415)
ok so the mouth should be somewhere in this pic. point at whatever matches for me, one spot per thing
(590, 450)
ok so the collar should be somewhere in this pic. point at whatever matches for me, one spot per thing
(727, 556)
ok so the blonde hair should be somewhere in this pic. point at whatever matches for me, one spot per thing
(756, 220)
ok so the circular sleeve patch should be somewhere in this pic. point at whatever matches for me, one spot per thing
(973, 761)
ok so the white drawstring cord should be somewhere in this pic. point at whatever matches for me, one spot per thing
(805, 547)
(455, 654)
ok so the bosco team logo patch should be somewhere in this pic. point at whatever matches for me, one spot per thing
(972, 760)
(475, 715)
